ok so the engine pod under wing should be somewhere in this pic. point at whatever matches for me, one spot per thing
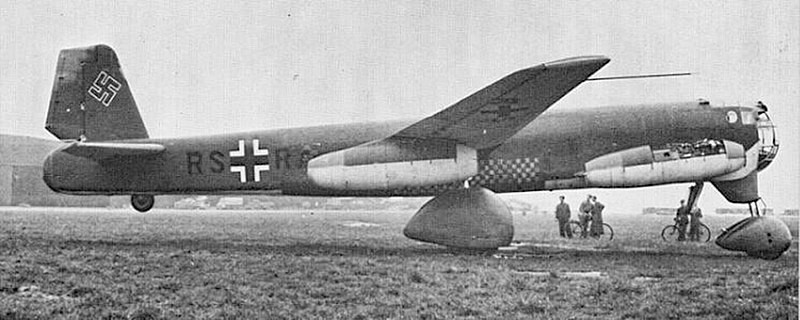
(646, 166)
(474, 218)
(762, 236)
(394, 163)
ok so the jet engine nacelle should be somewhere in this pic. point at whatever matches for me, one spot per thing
(644, 166)
(762, 236)
(394, 163)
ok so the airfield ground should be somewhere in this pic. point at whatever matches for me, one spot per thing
(117, 264)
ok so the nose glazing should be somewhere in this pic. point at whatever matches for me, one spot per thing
(768, 140)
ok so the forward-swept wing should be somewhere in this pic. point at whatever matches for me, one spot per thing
(492, 115)
(443, 147)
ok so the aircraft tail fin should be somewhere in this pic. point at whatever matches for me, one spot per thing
(91, 100)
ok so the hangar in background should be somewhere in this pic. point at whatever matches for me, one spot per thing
(21, 181)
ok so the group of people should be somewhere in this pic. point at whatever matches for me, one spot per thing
(691, 217)
(590, 216)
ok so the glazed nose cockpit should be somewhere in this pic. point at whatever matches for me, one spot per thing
(767, 137)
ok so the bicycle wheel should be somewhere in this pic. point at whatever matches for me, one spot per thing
(576, 228)
(670, 233)
(608, 232)
(704, 233)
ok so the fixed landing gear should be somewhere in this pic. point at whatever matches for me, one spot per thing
(694, 194)
(696, 230)
(760, 235)
(753, 206)
(142, 202)
(474, 218)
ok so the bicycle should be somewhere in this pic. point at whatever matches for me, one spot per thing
(670, 232)
(608, 232)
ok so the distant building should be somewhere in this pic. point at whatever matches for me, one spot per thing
(230, 203)
(200, 202)
(21, 181)
(742, 211)
(791, 212)
(659, 211)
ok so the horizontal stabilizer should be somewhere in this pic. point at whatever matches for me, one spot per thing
(105, 150)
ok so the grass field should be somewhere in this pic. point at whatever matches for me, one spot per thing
(108, 264)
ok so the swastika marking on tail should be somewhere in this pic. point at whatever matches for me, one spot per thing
(104, 88)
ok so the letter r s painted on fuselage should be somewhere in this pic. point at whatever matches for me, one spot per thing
(218, 159)
(195, 162)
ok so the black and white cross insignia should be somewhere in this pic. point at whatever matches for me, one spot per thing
(249, 162)
(104, 88)
(505, 109)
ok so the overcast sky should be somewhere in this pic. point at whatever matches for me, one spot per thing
(199, 67)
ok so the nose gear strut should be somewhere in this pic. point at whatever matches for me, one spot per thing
(694, 194)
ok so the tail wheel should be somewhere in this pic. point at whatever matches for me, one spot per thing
(670, 233)
(142, 202)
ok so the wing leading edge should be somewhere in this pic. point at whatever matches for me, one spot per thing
(495, 113)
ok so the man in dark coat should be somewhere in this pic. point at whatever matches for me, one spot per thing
(585, 214)
(681, 220)
(694, 224)
(597, 218)
(562, 215)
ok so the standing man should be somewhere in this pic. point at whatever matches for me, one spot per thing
(585, 214)
(562, 215)
(681, 220)
(597, 218)
(694, 224)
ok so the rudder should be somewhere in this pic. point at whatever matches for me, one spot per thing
(91, 100)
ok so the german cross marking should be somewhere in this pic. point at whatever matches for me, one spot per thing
(506, 107)
(249, 162)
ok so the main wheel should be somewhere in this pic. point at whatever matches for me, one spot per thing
(670, 233)
(142, 202)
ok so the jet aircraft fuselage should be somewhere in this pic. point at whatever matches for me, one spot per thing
(550, 153)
